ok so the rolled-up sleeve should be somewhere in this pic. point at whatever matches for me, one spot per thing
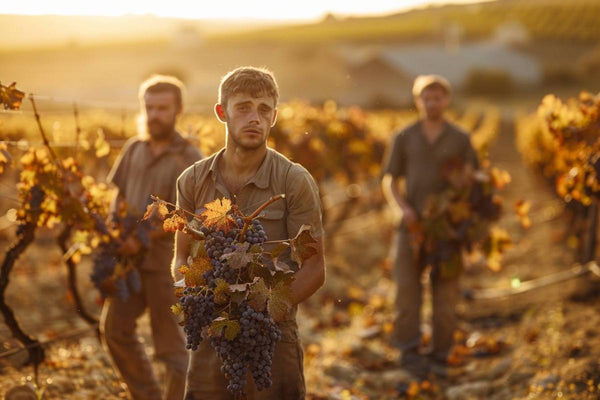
(303, 202)
(118, 173)
(185, 189)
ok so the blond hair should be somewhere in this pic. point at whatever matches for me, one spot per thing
(162, 83)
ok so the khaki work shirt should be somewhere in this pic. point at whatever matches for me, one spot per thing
(138, 174)
(412, 156)
(201, 184)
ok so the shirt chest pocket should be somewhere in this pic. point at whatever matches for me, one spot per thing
(273, 223)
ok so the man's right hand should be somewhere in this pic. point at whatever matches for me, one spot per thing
(409, 216)
(130, 246)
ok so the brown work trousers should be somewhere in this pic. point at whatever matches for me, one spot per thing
(409, 292)
(118, 330)
(205, 381)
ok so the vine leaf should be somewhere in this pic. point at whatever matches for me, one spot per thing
(259, 294)
(522, 208)
(217, 215)
(156, 207)
(279, 249)
(499, 177)
(301, 249)
(232, 328)
(11, 97)
(280, 266)
(459, 211)
(221, 291)
(175, 223)
(101, 145)
(194, 274)
(177, 309)
(280, 301)
(496, 244)
(240, 257)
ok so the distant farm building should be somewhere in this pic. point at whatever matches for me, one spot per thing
(388, 71)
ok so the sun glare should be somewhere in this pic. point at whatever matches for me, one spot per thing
(224, 9)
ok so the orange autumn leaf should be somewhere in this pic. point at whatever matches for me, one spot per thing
(175, 223)
(459, 211)
(522, 208)
(156, 207)
(217, 215)
(11, 97)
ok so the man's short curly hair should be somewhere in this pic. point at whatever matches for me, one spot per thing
(250, 80)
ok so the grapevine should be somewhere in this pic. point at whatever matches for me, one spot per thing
(562, 141)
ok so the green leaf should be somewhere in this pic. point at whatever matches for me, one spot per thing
(279, 249)
(240, 257)
(259, 294)
(177, 309)
(232, 328)
(221, 291)
(255, 249)
(280, 301)
(238, 297)
(301, 250)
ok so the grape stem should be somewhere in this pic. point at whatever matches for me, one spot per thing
(248, 219)
(156, 198)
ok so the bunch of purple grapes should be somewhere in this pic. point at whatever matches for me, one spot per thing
(106, 259)
(198, 310)
(252, 349)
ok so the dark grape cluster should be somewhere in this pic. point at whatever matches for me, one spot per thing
(259, 335)
(252, 349)
(106, 258)
(233, 365)
(198, 310)
(105, 261)
(216, 244)
(256, 234)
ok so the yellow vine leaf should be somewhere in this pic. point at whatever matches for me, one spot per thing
(216, 215)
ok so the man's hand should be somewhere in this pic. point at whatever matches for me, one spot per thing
(130, 246)
(409, 216)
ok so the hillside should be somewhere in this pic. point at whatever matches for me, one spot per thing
(577, 20)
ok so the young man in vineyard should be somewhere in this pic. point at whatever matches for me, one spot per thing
(249, 172)
(149, 165)
(417, 157)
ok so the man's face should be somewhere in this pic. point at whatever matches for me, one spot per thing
(161, 114)
(249, 119)
(433, 102)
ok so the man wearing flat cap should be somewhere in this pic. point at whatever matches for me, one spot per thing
(416, 158)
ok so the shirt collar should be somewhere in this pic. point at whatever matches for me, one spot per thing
(176, 143)
(260, 178)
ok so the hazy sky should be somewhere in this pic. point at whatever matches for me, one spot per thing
(217, 9)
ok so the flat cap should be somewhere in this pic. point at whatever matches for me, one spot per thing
(423, 81)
